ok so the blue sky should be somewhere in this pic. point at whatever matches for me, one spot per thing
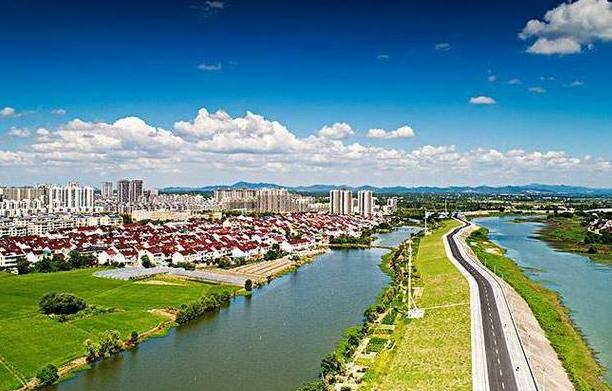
(382, 64)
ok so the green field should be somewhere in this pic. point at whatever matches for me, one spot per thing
(433, 353)
(30, 340)
(576, 357)
(568, 233)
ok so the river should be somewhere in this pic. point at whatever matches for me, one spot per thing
(585, 286)
(273, 340)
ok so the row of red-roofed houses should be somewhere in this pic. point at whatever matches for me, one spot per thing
(198, 242)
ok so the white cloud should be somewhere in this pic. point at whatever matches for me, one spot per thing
(575, 83)
(482, 100)
(492, 78)
(337, 131)
(514, 81)
(216, 147)
(383, 57)
(570, 27)
(210, 67)
(19, 132)
(58, 111)
(547, 78)
(215, 4)
(537, 90)
(442, 46)
(401, 132)
(8, 112)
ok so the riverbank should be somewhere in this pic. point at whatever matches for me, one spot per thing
(392, 352)
(433, 352)
(568, 234)
(30, 340)
(576, 356)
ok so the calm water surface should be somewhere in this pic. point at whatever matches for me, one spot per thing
(271, 341)
(585, 286)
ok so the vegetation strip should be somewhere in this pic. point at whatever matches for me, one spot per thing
(576, 356)
(570, 233)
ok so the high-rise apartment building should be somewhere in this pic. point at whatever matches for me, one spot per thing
(136, 191)
(392, 205)
(273, 200)
(341, 202)
(123, 191)
(365, 203)
(107, 189)
(23, 193)
(72, 197)
(129, 191)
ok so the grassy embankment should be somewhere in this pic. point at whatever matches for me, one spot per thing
(30, 340)
(433, 352)
(576, 356)
(568, 234)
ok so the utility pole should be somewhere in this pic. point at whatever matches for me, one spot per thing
(414, 312)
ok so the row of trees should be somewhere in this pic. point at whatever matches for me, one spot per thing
(55, 263)
(206, 303)
(334, 363)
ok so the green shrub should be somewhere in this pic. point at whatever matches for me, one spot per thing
(61, 303)
(48, 375)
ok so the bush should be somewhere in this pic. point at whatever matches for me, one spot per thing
(61, 303)
(48, 375)
(316, 385)
(198, 308)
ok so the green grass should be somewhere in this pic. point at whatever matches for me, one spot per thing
(433, 353)
(30, 340)
(576, 356)
(376, 344)
(568, 233)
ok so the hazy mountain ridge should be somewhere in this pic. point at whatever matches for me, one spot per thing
(539, 189)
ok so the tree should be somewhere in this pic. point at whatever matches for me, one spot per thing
(48, 375)
(146, 262)
(133, 337)
(92, 350)
(43, 266)
(23, 266)
(248, 285)
(61, 303)
(331, 365)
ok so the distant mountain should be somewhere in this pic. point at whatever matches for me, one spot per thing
(534, 189)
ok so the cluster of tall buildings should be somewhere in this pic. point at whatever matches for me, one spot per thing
(263, 200)
(20, 201)
(342, 202)
(128, 191)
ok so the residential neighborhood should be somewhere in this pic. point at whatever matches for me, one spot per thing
(235, 239)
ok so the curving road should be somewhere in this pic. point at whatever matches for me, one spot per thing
(499, 364)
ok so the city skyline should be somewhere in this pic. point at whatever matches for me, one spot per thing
(504, 94)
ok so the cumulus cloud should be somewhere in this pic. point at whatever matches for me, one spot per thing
(492, 78)
(58, 111)
(514, 81)
(442, 46)
(253, 146)
(210, 67)
(337, 131)
(482, 100)
(383, 57)
(537, 90)
(19, 132)
(401, 132)
(575, 83)
(8, 112)
(569, 27)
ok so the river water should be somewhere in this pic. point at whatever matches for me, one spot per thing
(273, 340)
(585, 286)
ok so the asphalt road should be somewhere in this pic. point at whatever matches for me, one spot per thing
(499, 366)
